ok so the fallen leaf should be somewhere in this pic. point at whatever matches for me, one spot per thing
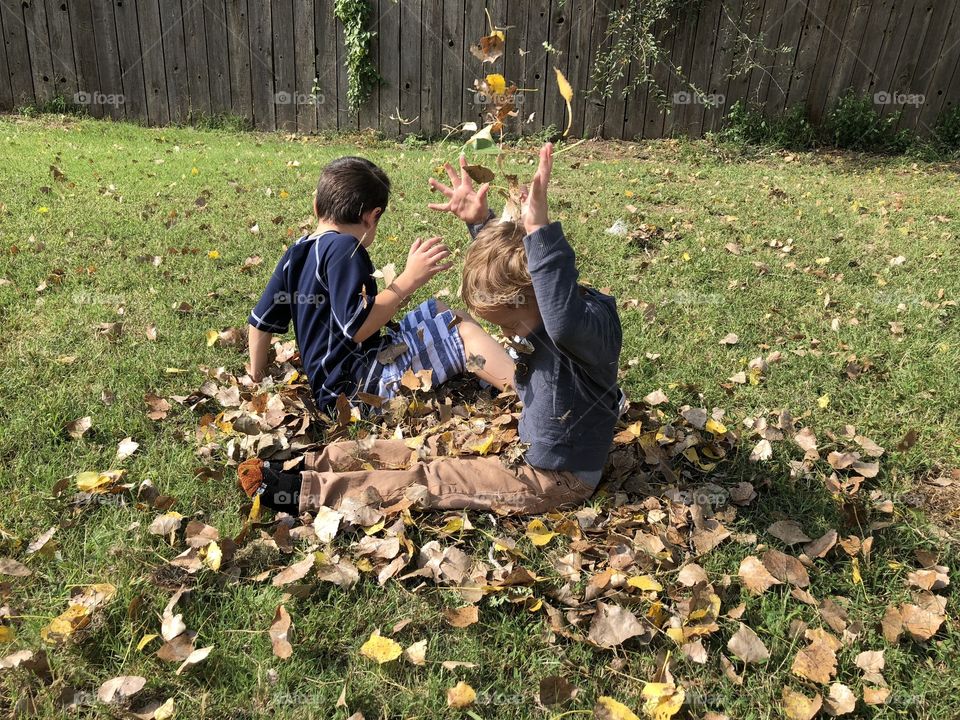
(381, 649)
(613, 625)
(197, 656)
(279, 630)
(755, 577)
(609, 709)
(840, 700)
(786, 568)
(76, 429)
(747, 646)
(416, 653)
(461, 696)
(789, 531)
(462, 617)
(797, 706)
(120, 689)
(295, 572)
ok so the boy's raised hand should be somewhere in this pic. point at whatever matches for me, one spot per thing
(534, 212)
(463, 200)
(424, 260)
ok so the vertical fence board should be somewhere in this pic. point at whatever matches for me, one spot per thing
(326, 32)
(6, 94)
(791, 27)
(195, 45)
(175, 61)
(305, 51)
(431, 72)
(679, 88)
(390, 18)
(700, 70)
(926, 60)
(594, 105)
(218, 54)
(849, 58)
(744, 54)
(937, 95)
(537, 63)
(154, 73)
(730, 14)
(578, 63)
(18, 54)
(452, 64)
(831, 48)
(261, 64)
(58, 26)
(38, 44)
(97, 61)
(131, 60)
(906, 21)
(284, 64)
(410, 66)
(808, 48)
(241, 88)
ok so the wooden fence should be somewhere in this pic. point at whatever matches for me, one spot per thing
(281, 63)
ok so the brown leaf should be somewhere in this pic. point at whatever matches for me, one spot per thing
(295, 572)
(279, 629)
(755, 576)
(920, 623)
(789, 531)
(120, 689)
(76, 429)
(891, 624)
(462, 617)
(909, 440)
(657, 397)
(747, 646)
(555, 690)
(822, 545)
(461, 695)
(613, 625)
(14, 568)
(786, 568)
(840, 700)
(871, 661)
(817, 662)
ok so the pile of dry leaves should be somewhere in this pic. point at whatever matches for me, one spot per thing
(625, 570)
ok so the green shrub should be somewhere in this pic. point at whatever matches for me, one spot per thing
(748, 125)
(946, 136)
(854, 124)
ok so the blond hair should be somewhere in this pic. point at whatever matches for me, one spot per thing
(495, 269)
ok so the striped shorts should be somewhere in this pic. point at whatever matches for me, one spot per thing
(433, 343)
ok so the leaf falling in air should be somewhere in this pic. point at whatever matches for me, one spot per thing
(566, 92)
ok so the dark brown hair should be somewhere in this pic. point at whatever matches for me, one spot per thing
(349, 187)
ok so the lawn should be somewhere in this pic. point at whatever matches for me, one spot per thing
(841, 271)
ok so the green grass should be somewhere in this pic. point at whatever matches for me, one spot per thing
(130, 194)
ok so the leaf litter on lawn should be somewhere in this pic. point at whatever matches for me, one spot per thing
(623, 571)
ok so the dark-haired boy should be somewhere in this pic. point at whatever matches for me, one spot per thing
(324, 285)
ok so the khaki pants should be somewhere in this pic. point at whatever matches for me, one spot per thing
(342, 471)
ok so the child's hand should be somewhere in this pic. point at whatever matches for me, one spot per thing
(463, 201)
(533, 209)
(424, 260)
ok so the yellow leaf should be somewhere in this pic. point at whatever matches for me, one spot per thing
(145, 640)
(194, 171)
(364, 565)
(64, 625)
(42, 210)
(686, 257)
(212, 336)
(662, 700)
(824, 401)
(609, 709)
(497, 84)
(381, 649)
(857, 578)
(213, 557)
(715, 427)
(213, 254)
(284, 194)
(566, 92)
(538, 533)
(453, 525)
(461, 695)
(165, 711)
(254, 515)
(645, 583)
(7, 634)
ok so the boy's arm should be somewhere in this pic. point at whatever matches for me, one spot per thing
(259, 341)
(270, 315)
(424, 260)
(585, 330)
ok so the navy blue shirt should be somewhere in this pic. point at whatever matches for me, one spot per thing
(324, 284)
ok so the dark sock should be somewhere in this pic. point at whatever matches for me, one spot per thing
(281, 491)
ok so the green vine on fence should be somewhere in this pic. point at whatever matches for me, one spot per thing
(362, 75)
(635, 38)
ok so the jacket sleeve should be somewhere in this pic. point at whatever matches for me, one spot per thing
(272, 312)
(585, 329)
(477, 227)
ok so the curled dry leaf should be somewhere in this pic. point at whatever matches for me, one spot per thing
(295, 572)
(818, 661)
(195, 657)
(613, 625)
(76, 429)
(609, 709)
(14, 568)
(416, 653)
(555, 690)
(840, 700)
(461, 617)
(279, 630)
